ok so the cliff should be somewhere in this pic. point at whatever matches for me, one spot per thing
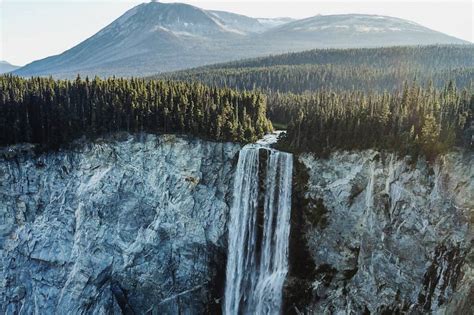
(129, 225)
(385, 234)
(137, 224)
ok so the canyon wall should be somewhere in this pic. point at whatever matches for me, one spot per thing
(129, 225)
(138, 224)
(384, 235)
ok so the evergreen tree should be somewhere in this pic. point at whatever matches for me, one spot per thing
(52, 113)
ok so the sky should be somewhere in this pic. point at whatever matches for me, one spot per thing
(35, 29)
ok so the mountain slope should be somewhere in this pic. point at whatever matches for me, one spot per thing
(356, 30)
(247, 24)
(427, 57)
(150, 37)
(159, 37)
(6, 67)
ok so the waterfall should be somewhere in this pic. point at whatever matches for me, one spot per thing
(259, 229)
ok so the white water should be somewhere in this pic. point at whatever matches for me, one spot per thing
(257, 261)
(271, 138)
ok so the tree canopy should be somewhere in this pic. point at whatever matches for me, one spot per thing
(368, 69)
(415, 121)
(53, 112)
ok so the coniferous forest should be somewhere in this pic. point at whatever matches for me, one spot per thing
(415, 121)
(368, 69)
(416, 100)
(427, 58)
(413, 100)
(310, 78)
(52, 113)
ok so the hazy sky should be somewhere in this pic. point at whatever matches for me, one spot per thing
(35, 29)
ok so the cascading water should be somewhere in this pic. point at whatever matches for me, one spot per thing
(258, 233)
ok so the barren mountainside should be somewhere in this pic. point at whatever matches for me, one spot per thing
(158, 37)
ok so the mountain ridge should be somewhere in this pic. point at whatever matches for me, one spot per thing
(6, 67)
(159, 37)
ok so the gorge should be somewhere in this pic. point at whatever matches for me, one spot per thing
(138, 224)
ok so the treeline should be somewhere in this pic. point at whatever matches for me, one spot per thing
(308, 78)
(425, 58)
(416, 121)
(367, 69)
(53, 112)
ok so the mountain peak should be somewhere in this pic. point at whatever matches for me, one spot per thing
(356, 22)
(157, 37)
(173, 17)
(359, 30)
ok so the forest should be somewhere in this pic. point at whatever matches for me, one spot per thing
(310, 78)
(368, 69)
(427, 58)
(413, 100)
(416, 121)
(54, 112)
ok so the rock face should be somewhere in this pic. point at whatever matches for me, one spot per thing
(119, 226)
(386, 235)
(138, 225)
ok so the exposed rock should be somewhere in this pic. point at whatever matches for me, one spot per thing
(137, 224)
(397, 235)
(130, 226)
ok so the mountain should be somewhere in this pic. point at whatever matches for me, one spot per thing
(148, 38)
(247, 24)
(158, 37)
(6, 67)
(355, 30)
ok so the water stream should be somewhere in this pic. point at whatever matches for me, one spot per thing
(257, 261)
